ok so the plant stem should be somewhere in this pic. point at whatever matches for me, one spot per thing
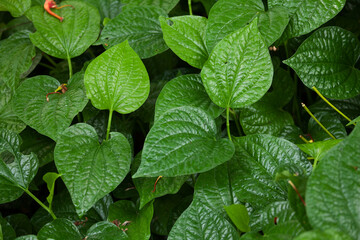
(109, 124)
(190, 10)
(70, 66)
(304, 139)
(323, 98)
(228, 123)
(317, 121)
(39, 202)
(237, 122)
(50, 59)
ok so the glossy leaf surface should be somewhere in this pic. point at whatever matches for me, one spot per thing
(167, 5)
(59, 229)
(105, 231)
(15, 7)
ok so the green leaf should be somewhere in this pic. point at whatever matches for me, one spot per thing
(202, 222)
(330, 194)
(27, 237)
(167, 5)
(284, 231)
(88, 169)
(236, 75)
(177, 142)
(139, 225)
(148, 190)
(307, 15)
(107, 8)
(185, 90)
(6, 231)
(50, 178)
(126, 88)
(257, 160)
(60, 228)
(140, 26)
(185, 36)
(323, 235)
(21, 223)
(9, 120)
(330, 122)
(264, 117)
(105, 231)
(67, 39)
(319, 148)
(326, 60)
(15, 7)
(239, 216)
(16, 170)
(51, 117)
(354, 121)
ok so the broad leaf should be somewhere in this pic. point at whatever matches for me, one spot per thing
(88, 169)
(185, 36)
(140, 26)
(326, 60)
(257, 160)
(167, 5)
(126, 88)
(105, 231)
(239, 216)
(179, 140)
(15, 7)
(307, 15)
(239, 70)
(107, 8)
(186, 90)
(332, 194)
(67, 39)
(139, 220)
(60, 228)
(51, 117)
(16, 170)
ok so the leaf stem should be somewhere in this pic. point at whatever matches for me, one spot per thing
(304, 139)
(228, 123)
(317, 121)
(109, 124)
(315, 163)
(190, 9)
(49, 59)
(323, 98)
(237, 122)
(39, 202)
(70, 66)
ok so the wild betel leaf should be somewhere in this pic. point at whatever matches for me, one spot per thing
(91, 170)
(128, 85)
(239, 70)
(67, 39)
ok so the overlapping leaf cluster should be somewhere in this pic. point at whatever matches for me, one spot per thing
(168, 119)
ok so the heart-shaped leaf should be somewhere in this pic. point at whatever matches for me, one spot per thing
(332, 195)
(140, 26)
(326, 60)
(167, 5)
(177, 142)
(105, 231)
(185, 36)
(186, 90)
(257, 160)
(307, 15)
(126, 215)
(91, 170)
(15, 7)
(67, 39)
(54, 116)
(16, 170)
(128, 85)
(239, 70)
(60, 228)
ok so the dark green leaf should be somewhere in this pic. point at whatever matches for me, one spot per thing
(236, 75)
(67, 39)
(59, 229)
(331, 195)
(105, 231)
(107, 8)
(330, 122)
(88, 169)
(21, 223)
(177, 142)
(326, 60)
(27, 237)
(15, 7)
(140, 26)
(54, 116)
(126, 88)
(239, 216)
(185, 36)
(139, 225)
(6, 231)
(167, 5)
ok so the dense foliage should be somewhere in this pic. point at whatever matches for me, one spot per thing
(168, 119)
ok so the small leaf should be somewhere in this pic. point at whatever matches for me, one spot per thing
(15, 7)
(239, 216)
(105, 231)
(88, 169)
(60, 228)
(319, 148)
(140, 26)
(50, 178)
(177, 142)
(326, 60)
(67, 39)
(354, 121)
(185, 35)
(126, 88)
(139, 225)
(185, 90)
(236, 75)
(51, 117)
